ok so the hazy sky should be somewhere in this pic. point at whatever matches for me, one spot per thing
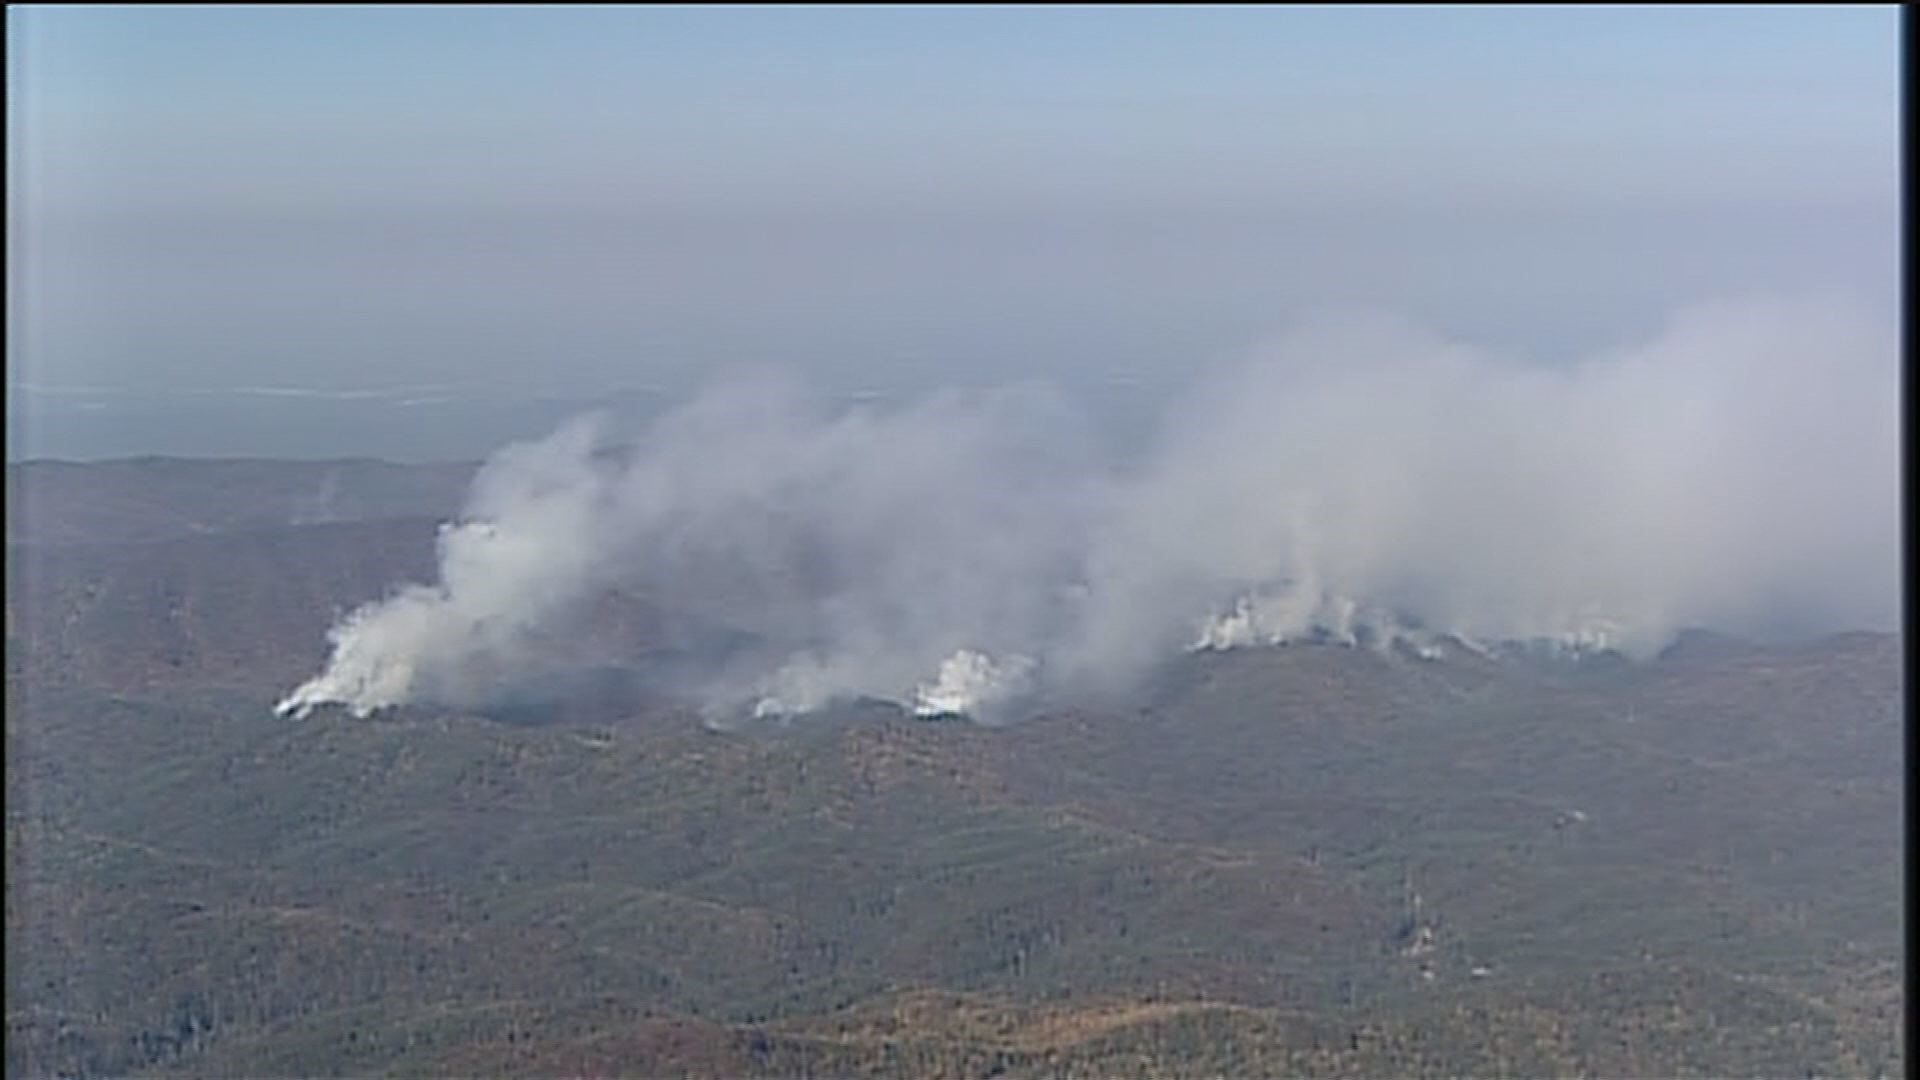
(333, 230)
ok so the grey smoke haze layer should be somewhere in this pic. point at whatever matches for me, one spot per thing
(1359, 477)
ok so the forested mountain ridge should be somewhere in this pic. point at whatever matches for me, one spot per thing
(1308, 860)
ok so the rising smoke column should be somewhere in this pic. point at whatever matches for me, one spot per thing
(1739, 471)
(858, 550)
(1360, 479)
(530, 548)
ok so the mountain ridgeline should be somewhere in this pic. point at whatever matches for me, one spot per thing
(1304, 860)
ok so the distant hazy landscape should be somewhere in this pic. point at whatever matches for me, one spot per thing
(954, 541)
(1308, 859)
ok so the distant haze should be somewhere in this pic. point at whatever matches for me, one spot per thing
(951, 355)
(422, 232)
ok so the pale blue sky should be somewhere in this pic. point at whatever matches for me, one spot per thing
(338, 198)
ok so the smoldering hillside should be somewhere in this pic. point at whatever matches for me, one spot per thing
(1359, 478)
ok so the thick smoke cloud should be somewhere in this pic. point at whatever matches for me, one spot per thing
(854, 553)
(1359, 478)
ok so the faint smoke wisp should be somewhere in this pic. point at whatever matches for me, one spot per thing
(1359, 479)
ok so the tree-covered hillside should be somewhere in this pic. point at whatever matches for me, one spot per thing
(1309, 860)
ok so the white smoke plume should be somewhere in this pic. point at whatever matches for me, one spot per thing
(1360, 479)
(854, 551)
(971, 683)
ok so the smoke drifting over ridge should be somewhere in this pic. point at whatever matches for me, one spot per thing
(1360, 478)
